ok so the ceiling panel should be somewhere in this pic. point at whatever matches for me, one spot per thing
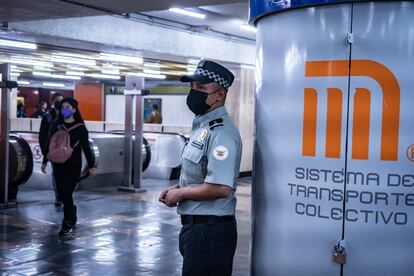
(23, 10)
(128, 6)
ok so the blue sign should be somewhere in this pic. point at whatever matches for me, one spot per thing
(259, 8)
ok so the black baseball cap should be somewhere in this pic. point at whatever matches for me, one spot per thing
(209, 71)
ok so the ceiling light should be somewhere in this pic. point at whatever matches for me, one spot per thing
(75, 73)
(74, 55)
(187, 12)
(65, 77)
(40, 68)
(195, 61)
(53, 84)
(247, 66)
(120, 58)
(110, 71)
(18, 44)
(155, 72)
(248, 28)
(31, 62)
(175, 73)
(42, 74)
(76, 68)
(55, 76)
(151, 76)
(15, 74)
(36, 92)
(23, 82)
(70, 60)
(15, 70)
(103, 76)
(152, 65)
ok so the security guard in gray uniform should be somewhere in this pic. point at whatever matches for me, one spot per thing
(209, 169)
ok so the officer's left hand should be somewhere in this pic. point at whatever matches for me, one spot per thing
(173, 197)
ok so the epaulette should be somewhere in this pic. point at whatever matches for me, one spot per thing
(215, 123)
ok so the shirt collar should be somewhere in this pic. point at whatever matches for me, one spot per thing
(202, 120)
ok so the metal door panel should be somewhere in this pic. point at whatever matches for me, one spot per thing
(285, 241)
(380, 241)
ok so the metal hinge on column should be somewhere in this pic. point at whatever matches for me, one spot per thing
(350, 38)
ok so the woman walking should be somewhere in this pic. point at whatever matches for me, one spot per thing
(67, 173)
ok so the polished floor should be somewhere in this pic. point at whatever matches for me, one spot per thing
(117, 234)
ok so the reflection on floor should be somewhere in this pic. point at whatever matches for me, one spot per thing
(117, 234)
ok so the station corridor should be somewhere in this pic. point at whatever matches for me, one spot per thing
(117, 234)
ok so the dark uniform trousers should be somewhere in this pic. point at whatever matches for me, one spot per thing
(208, 247)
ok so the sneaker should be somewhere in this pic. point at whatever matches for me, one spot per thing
(66, 229)
(58, 203)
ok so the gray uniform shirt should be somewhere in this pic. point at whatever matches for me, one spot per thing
(212, 155)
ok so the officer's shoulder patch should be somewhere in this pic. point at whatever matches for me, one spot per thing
(202, 135)
(215, 123)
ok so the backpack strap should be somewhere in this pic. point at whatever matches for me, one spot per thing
(72, 128)
(75, 126)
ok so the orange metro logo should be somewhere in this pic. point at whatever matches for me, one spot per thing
(361, 113)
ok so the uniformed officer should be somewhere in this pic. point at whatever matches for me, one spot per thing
(209, 170)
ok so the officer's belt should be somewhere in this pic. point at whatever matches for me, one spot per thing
(198, 219)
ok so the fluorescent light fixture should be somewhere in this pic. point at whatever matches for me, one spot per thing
(151, 76)
(74, 55)
(40, 68)
(23, 82)
(194, 61)
(121, 58)
(103, 76)
(175, 73)
(70, 60)
(13, 66)
(31, 62)
(76, 68)
(152, 65)
(13, 74)
(110, 71)
(154, 72)
(41, 74)
(65, 77)
(55, 76)
(18, 44)
(75, 73)
(15, 70)
(53, 84)
(188, 13)
(248, 28)
(247, 66)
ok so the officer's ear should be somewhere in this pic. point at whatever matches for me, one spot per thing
(222, 93)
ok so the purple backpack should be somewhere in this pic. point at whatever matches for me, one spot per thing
(59, 145)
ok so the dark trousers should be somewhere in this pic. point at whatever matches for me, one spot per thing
(208, 249)
(66, 176)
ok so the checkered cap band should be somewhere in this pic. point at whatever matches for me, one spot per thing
(213, 76)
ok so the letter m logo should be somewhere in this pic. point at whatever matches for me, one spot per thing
(361, 113)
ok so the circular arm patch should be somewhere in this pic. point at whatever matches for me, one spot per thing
(220, 152)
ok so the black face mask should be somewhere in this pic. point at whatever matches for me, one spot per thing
(58, 105)
(196, 101)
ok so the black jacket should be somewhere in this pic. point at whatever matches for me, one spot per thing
(45, 125)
